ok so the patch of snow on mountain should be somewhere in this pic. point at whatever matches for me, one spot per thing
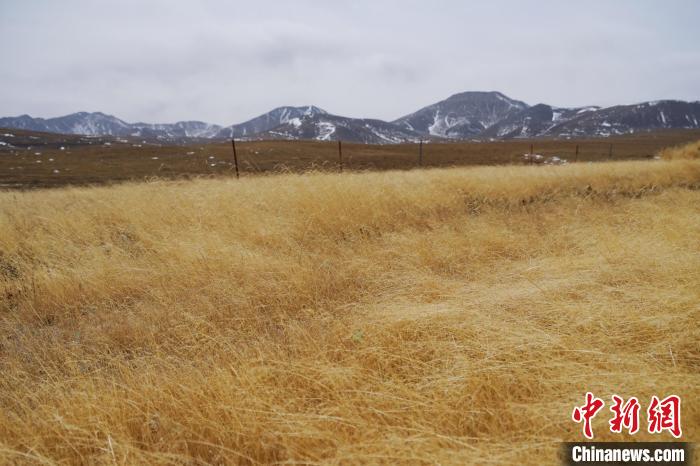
(442, 124)
(436, 129)
(284, 117)
(503, 98)
(325, 130)
(587, 109)
(311, 110)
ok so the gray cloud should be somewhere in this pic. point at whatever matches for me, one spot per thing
(226, 61)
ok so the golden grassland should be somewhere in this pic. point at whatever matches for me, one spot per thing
(443, 316)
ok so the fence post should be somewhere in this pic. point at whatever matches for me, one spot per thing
(235, 156)
(576, 159)
(420, 153)
(340, 155)
(610, 152)
(531, 151)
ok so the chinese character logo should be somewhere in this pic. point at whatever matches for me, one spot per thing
(624, 415)
(665, 415)
(587, 412)
(662, 415)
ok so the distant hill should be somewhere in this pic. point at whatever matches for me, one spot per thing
(100, 124)
(467, 115)
(267, 121)
(327, 127)
(462, 115)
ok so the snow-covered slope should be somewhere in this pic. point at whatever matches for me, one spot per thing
(462, 115)
(76, 123)
(181, 129)
(327, 127)
(533, 121)
(544, 120)
(100, 124)
(267, 121)
(625, 119)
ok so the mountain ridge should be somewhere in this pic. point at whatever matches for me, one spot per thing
(463, 115)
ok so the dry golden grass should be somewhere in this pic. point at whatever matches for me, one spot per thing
(683, 152)
(444, 316)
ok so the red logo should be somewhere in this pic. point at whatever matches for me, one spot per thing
(587, 412)
(661, 415)
(665, 415)
(624, 415)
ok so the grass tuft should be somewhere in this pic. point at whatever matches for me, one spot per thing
(690, 151)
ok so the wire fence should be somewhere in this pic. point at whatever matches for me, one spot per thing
(263, 156)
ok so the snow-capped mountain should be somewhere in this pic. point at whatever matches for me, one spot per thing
(100, 124)
(267, 121)
(327, 127)
(462, 115)
(544, 120)
(625, 119)
(181, 129)
(467, 115)
(85, 123)
(534, 121)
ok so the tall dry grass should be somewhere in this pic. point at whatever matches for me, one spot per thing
(690, 151)
(445, 316)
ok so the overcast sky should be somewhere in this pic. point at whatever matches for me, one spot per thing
(227, 61)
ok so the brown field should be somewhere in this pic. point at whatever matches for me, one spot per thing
(442, 316)
(90, 161)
